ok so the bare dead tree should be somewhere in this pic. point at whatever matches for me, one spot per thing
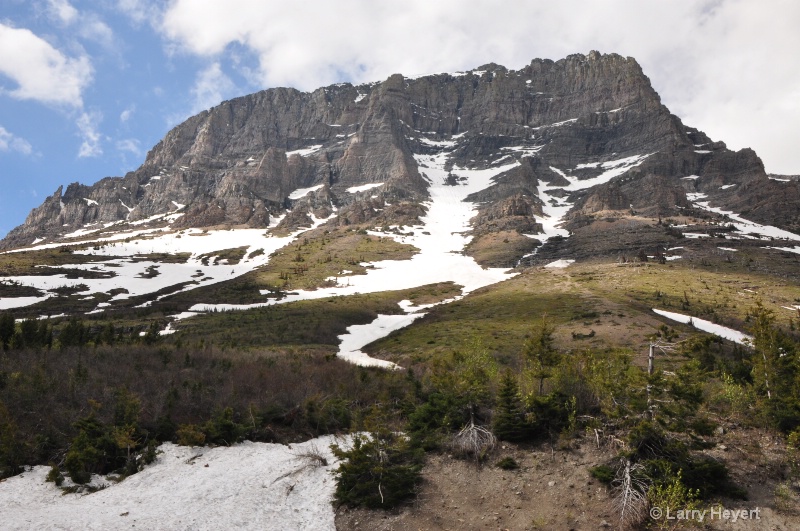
(630, 498)
(664, 347)
(473, 441)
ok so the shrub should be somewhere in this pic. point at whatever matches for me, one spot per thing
(10, 447)
(551, 413)
(80, 459)
(602, 473)
(223, 429)
(432, 420)
(664, 458)
(190, 435)
(55, 476)
(328, 416)
(378, 471)
(507, 463)
(672, 495)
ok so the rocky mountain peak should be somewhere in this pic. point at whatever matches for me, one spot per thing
(240, 162)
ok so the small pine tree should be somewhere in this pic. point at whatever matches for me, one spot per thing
(7, 328)
(28, 330)
(81, 458)
(380, 471)
(540, 352)
(509, 414)
(73, 334)
(151, 337)
(10, 447)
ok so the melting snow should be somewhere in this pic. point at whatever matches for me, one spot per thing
(557, 124)
(128, 272)
(708, 326)
(245, 486)
(559, 264)
(306, 151)
(363, 188)
(358, 336)
(7, 303)
(795, 249)
(745, 226)
(437, 143)
(302, 192)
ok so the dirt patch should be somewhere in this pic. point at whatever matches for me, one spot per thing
(550, 490)
(553, 489)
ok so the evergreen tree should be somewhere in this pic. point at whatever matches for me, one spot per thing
(28, 331)
(73, 334)
(541, 354)
(152, 335)
(44, 335)
(381, 469)
(10, 448)
(81, 458)
(509, 414)
(7, 328)
(776, 370)
(107, 334)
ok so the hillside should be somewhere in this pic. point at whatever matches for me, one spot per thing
(446, 256)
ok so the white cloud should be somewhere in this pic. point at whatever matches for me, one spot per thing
(88, 124)
(210, 88)
(726, 66)
(41, 72)
(11, 142)
(139, 11)
(92, 28)
(86, 25)
(62, 11)
(130, 145)
(125, 115)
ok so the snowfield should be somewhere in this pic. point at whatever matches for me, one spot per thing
(246, 486)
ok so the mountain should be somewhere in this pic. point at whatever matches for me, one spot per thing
(568, 125)
(512, 241)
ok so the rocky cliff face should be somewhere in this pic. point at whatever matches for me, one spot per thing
(243, 162)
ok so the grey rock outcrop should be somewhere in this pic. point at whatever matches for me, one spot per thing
(239, 162)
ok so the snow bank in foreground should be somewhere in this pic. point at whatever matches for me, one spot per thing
(247, 486)
(708, 326)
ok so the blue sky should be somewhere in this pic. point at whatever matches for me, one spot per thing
(88, 87)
